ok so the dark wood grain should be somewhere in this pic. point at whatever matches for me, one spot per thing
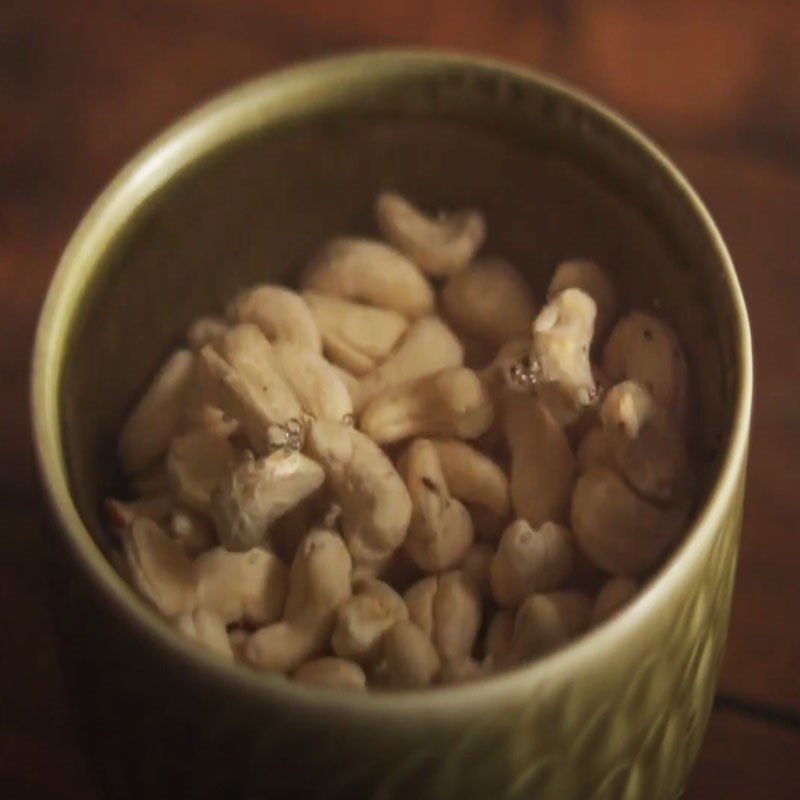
(84, 84)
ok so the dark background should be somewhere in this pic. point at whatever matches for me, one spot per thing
(85, 84)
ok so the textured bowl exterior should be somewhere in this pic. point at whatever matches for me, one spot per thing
(619, 714)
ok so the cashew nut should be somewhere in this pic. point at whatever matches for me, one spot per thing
(158, 415)
(206, 330)
(158, 567)
(645, 349)
(355, 336)
(120, 514)
(499, 641)
(428, 346)
(206, 629)
(529, 561)
(441, 531)
(315, 383)
(453, 402)
(476, 567)
(372, 273)
(490, 300)
(419, 602)
(257, 492)
(411, 660)
(376, 508)
(280, 313)
(593, 280)
(241, 587)
(545, 622)
(439, 246)
(619, 531)
(193, 532)
(319, 582)
(616, 594)
(542, 464)
(363, 618)
(454, 673)
(456, 616)
(594, 451)
(331, 673)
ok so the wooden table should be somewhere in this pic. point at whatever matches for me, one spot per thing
(84, 84)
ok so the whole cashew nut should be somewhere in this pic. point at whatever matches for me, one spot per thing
(453, 402)
(355, 336)
(281, 314)
(529, 561)
(490, 300)
(319, 581)
(331, 673)
(429, 346)
(207, 629)
(376, 508)
(619, 531)
(456, 616)
(411, 660)
(419, 602)
(439, 246)
(372, 273)
(615, 594)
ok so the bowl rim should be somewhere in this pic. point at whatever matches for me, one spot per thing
(196, 135)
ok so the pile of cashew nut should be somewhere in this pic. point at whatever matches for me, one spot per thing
(407, 473)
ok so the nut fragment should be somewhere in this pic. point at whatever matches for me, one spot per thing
(331, 673)
(439, 246)
(370, 272)
(411, 659)
(429, 346)
(245, 587)
(259, 491)
(490, 300)
(355, 336)
(281, 314)
(453, 402)
(158, 415)
(616, 594)
(207, 629)
(529, 561)
(376, 508)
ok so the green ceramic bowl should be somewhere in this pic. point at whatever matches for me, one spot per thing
(241, 191)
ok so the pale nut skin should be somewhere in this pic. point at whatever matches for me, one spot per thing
(331, 673)
(354, 336)
(372, 273)
(197, 462)
(314, 382)
(319, 581)
(441, 531)
(281, 314)
(158, 415)
(247, 587)
(542, 464)
(376, 507)
(410, 659)
(586, 275)
(439, 246)
(428, 346)
(618, 530)
(158, 568)
(529, 561)
(490, 300)
(456, 616)
(208, 630)
(646, 349)
(450, 403)
(615, 595)
(545, 622)
(205, 330)
(257, 492)
(363, 618)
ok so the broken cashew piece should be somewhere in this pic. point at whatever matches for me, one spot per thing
(354, 336)
(257, 492)
(441, 531)
(331, 673)
(411, 660)
(158, 415)
(490, 300)
(529, 561)
(614, 595)
(319, 581)
(208, 630)
(245, 587)
(439, 246)
(428, 346)
(281, 314)
(376, 508)
(453, 402)
(370, 272)
(619, 531)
